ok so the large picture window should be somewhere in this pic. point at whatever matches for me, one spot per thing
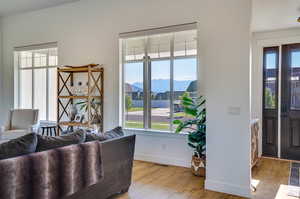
(36, 75)
(157, 70)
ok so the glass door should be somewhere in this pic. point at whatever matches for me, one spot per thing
(290, 106)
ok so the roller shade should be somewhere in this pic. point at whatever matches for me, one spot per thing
(159, 46)
(183, 43)
(134, 48)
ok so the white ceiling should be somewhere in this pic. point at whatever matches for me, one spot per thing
(11, 7)
(266, 14)
(275, 14)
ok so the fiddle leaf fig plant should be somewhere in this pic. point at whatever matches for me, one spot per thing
(194, 124)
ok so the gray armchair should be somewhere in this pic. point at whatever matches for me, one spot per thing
(20, 122)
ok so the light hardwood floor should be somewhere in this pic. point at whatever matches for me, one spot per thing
(152, 181)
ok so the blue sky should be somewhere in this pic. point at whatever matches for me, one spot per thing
(296, 59)
(184, 69)
(271, 60)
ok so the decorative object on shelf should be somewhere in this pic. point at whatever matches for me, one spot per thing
(196, 128)
(80, 89)
(72, 112)
(71, 93)
(79, 118)
(96, 118)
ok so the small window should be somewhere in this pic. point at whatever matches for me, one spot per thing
(270, 77)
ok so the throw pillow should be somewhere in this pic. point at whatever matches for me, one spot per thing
(47, 142)
(114, 133)
(93, 137)
(19, 146)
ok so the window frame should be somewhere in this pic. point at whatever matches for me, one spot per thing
(33, 68)
(147, 79)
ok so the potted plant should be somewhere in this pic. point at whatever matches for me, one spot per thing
(95, 117)
(195, 126)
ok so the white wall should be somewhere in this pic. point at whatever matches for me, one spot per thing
(225, 40)
(1, 72)
(261, 40)
(87, 32)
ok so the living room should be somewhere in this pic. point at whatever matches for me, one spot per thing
(142, 65)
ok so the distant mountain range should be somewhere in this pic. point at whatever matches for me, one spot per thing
(162, 85)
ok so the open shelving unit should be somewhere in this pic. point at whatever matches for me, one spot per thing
(66, 98)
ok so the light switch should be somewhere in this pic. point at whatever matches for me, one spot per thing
(234, 110)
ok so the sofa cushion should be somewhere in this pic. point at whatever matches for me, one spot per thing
(47, 142)
(114, 133)
(20, 146)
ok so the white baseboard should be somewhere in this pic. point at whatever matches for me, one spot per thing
(163, 160)
(228, 188)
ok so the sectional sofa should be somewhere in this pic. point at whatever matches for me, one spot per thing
(96, 169)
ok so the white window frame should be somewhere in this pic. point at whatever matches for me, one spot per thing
(18, 70)
(147, 78)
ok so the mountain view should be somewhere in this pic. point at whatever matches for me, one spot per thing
(163, 85)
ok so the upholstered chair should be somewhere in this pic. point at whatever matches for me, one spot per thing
(20, 122)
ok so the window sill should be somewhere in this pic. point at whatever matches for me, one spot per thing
(154, 133)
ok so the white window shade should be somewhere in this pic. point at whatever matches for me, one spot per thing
(159, 45)
(25, 59)
(134, 49)
(40, 57)
(52, 57)
(185, 43)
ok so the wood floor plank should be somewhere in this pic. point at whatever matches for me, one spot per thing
(153, 181)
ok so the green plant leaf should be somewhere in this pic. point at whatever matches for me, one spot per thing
(177, 122)
(80, 103)
(191, 145)
(200, 104)
(190, 111)
(187, 99)
(187, 103)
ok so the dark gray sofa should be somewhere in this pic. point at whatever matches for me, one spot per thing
(91, 170)
(117, 160)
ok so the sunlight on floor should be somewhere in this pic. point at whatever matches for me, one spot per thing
(255, 183)
(288, 192)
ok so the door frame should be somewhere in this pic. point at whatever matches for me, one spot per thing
(259, 42)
